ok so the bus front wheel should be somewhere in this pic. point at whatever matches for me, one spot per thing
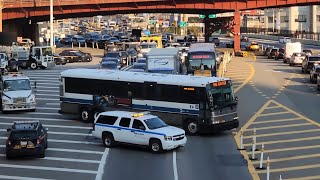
(191, 127)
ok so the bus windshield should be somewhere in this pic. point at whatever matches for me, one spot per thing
(207, 60)
(17, 85)
(220, 97)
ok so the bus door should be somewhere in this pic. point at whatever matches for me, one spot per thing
(150, 93)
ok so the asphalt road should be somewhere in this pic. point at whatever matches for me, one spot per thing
(272, 43)
(274, 98)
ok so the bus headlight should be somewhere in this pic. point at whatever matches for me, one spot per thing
(168, 138)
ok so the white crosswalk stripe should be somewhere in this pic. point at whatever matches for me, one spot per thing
(68, 139)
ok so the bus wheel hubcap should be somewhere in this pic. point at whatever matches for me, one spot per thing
(155, 147)
(192, 127)
(85, 115)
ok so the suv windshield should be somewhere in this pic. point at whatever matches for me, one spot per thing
(24, 134)
(17, 85)
(155, 123)
(220, 97)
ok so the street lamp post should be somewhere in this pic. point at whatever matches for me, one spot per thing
(51, 24)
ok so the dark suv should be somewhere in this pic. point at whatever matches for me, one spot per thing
(280, 55)
(27, 138)
(273, 53)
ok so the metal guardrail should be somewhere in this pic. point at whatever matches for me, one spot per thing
(223, 65)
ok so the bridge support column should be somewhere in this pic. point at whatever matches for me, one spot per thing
(207, 30)
(236, 28)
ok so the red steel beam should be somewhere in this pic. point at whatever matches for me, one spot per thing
(13, 8)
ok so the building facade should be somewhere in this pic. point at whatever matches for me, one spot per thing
(296, 18)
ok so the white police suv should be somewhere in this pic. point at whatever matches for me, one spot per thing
(139, 129)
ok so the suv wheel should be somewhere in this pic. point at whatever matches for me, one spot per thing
(155, 146)
(191, 127)
(108, 140)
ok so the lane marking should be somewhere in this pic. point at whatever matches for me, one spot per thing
(273, 107)
(282, 133)
(55, 126)
(285, 141)
(53, 95)
(54, 104)
(174, 163)
(65, 159)
(252, 71)
(290, 158)
(60, 133)
(40, 113)
(280, 126)
(47, 91)
(295, 168)
(288, 149)
(271, 114)
(65, 141)
(47, 99)
(20, 177)
(102, 164)
(306, 178)
(48, 168)
(32, 118)
(48, 108)
(277, 120)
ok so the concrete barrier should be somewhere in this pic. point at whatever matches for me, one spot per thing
(276, 38)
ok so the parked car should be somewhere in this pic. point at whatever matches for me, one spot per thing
(272, 53)
(280, 54)
(124, 57)
(141, 66)
(141, 60)
(66, 40)
(132, 53)
(308, 63)
(113, 40)
(215, 40)
(307, 51)
(76, 40)
(26, 138)
(59, 60)
(230, 44)
(297, 58)
(267, 51)
(76, 56)
(244, 39)
(190, 38)
(314, 73)
(92, 39)
(284, 40)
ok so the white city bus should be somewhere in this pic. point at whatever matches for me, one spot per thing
(199, 104)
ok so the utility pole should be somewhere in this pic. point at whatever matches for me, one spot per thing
(51, 24)
(273, 20)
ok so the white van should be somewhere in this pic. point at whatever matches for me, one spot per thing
(289, 49)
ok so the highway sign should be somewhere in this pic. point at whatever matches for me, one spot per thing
(202, 16)
(183, 24)
(212, 16)
(152, 21)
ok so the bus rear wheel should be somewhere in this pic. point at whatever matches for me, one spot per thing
(86, 115)
(191, 127)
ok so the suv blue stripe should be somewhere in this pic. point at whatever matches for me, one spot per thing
(129, 129)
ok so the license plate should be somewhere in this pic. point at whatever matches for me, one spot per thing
(19, 102)
(23, 143)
